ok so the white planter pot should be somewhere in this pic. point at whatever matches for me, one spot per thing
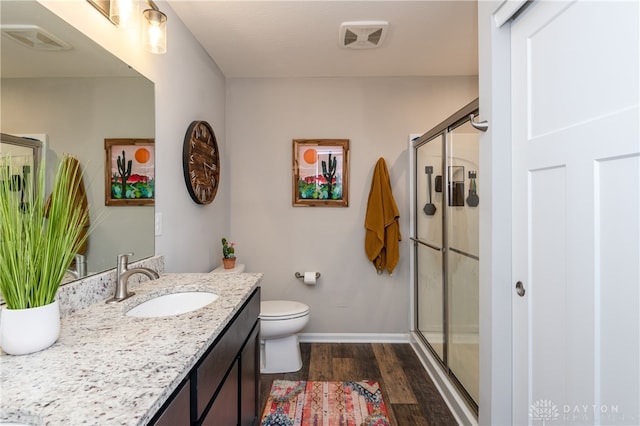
(24, 331)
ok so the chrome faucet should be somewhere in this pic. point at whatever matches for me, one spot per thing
(80, 268)
(123, 274)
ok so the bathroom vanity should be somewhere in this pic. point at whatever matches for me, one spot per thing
(222, 388)
(200, 367)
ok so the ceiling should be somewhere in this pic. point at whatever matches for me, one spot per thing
(266, 38)
(85, 58)
(299, 38)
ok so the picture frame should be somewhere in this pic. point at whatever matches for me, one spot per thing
(320, 173)
(133, 159)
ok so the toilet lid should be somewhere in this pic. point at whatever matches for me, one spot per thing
(282, 308)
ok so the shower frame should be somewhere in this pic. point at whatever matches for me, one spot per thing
(444, 128)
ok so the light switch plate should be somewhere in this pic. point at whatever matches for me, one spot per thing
(158, 224)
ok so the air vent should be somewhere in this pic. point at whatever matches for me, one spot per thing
(34, 37)
(363, 34)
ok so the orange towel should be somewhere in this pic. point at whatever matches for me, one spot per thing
(81, 200)
(382, 222)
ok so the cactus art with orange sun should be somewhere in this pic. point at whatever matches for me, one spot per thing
(132, 173)
(320, 171)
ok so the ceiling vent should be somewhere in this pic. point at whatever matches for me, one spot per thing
(34, 37)
(363, 34)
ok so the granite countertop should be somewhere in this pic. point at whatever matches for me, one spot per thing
(110, 369)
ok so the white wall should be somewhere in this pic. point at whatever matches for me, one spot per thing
(188, 86)
(376, 115)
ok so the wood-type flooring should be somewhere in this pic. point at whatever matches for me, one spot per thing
(411, 397)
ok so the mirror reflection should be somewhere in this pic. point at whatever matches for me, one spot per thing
(60, 87)
(19, 163)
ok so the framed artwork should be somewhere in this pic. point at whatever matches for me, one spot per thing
(320, 172)
(129, 172)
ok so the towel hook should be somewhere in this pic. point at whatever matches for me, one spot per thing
(480, 125)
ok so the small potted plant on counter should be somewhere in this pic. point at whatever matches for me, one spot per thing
(38, 241)
(228, 254)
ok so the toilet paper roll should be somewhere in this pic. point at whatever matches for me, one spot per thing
(309, 278)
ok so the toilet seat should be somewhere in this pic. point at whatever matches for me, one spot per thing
(279, 310)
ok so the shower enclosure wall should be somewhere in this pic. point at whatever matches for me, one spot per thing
(445, 249)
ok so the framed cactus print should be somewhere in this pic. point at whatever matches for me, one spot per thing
(129, 172)
(320, 173)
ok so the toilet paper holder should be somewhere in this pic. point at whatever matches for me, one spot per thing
(301, 276)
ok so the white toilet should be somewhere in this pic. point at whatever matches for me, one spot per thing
(280, 322)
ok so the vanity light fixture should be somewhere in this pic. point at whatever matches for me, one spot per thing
(154, 29)
(126, 14)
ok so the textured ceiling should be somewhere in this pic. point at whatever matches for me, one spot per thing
(300, 38)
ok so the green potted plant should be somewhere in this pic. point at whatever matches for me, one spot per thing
(228, 254)
(38, 241)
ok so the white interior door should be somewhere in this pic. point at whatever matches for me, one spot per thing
(576, 213)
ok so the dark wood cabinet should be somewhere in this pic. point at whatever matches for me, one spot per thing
(223, 411)
(249, 386)
(178, 411)
(223, 387)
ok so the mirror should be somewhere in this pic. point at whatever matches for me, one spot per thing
(58, 84)
(19, 161)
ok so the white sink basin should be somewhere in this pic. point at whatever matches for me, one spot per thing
(172, 304)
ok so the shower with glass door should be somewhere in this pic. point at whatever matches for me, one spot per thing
(445, 248)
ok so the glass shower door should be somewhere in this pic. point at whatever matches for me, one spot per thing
(446, 249)
(429, 254)
(462, 257)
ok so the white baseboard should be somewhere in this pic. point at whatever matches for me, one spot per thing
(354, 337)
(455, 402)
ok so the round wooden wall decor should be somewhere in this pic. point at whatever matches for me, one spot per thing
(201, 162)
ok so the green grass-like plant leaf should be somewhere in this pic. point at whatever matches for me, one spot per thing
(38, 243)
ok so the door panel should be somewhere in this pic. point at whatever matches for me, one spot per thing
(446, 248)
(548, 286)
(430, 308)
(618, 321)
(570, 69)
(576, 217)
(429, 227)
(462, 152)
(463, 261)
(463, 339)
(429, 254)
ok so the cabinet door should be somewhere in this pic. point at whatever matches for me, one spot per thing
(177, 412)
(211, 371)
(250, 379)
(224, 411)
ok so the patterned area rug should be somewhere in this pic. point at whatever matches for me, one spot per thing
(305, 403)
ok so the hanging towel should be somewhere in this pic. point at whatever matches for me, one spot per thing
(382, 222)
(80, 200)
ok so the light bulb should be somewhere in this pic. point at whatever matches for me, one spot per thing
(155, 31)
(124, 13)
